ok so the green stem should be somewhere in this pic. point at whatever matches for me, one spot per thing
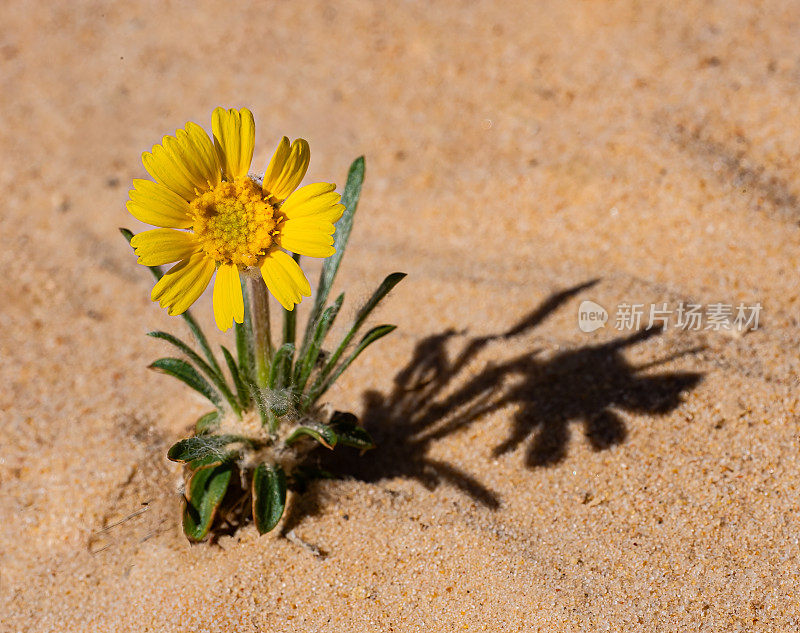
(262, 340)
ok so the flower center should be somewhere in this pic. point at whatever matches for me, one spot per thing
(234, 223)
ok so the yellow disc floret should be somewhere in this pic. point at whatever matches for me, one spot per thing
(233, 222)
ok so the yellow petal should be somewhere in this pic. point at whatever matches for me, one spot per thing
(234, 139)
(184, 283)
(311, 225)
(184, 163)
(318, 200)
(307, 236)
(278, 161)
(154, 204)
(163, 246)
(286, 169)
(284, 279)
(161, 165)
(194, 152)
(228, 301)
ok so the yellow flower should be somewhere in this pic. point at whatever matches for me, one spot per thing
(213, 216)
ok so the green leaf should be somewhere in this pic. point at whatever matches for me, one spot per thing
(209, 460)
(328, 375)
(308, 358)
(187, 374)
(276, 372)
(350, 433)
(242, 390)
(369, 338)
(207, 423)
(269, 496)
(264, 412)
(216, 378)
(324, 434)
(202, 446)
(202, 341)
(244, 337)
(350, 197)
(205, 492)
(386, 286)
(197, 332)
(276, 407)
(289, 336)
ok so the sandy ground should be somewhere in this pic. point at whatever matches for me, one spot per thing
(516, 153)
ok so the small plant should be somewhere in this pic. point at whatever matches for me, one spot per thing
(216, 218)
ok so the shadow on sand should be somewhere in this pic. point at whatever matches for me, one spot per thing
(435, 396)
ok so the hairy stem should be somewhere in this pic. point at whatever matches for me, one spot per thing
(262, 339)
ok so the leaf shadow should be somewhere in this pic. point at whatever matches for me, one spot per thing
(438, 394)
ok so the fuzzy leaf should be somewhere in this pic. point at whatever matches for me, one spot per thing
(308, 358)
(242, 391)
(207, 423)
(350, 197)
(289, 337)
(244, 338)
(386, 286)
(321, 386)
(350, 433)
(204, 493)
(325, 380)
(276, 372)
(324, 434)
(216, 378)
(211, 459)
(201, 446)
(269, 496)
(187, 374)
(174, 340)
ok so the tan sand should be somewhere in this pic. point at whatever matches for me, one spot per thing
(515, 151)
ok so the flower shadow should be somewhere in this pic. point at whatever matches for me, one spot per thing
(438, 394)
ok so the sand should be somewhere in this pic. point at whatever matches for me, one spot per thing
(516, 152)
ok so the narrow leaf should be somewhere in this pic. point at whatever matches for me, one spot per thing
(350, 197)
(205, 462)
(204, 494)
(324, 434)
(242, 391)
(202, 446)
(207, 423)
(244, 337)
(369, 338)
(264, 412)
(216, 378)
(289, 336)
(386, 286)
(308, 358)
(184, 372)
(201, 339)
(349, 432)
(201, 364)
(269, 496)
(276, 372)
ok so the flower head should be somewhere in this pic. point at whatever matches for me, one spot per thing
(213, 216)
